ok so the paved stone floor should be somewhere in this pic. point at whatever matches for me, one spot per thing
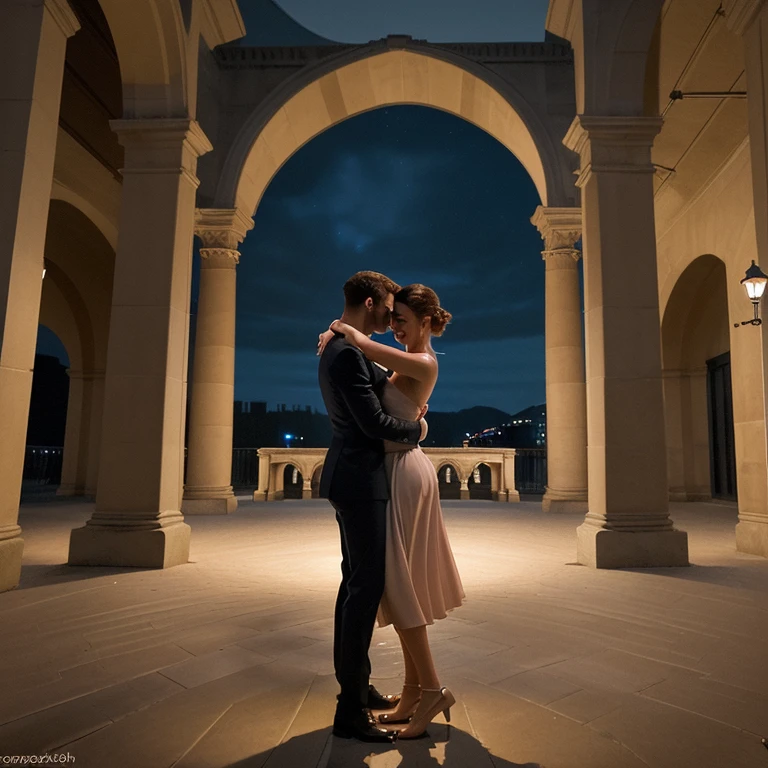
(226, 661)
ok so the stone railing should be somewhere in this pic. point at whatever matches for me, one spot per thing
(463, 461)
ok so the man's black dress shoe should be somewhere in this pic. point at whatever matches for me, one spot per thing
(378, 700)
(362, 727)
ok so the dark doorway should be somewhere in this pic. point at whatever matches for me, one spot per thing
(722, 455)
(480, 482)
(293, 482)
(448, 482)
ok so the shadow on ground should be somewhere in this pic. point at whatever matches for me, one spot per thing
(446, 746)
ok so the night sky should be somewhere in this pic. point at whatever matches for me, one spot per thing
(422, 196)
(413, 192)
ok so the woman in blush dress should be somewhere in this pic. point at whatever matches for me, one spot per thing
(422, 583)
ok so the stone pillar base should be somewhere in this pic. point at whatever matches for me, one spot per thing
(275, 496)
(510, 496)
(563, 501)
(10, 563)
(155, 548)
(463, 495)
(306, 494)
(752, 537)
(221, 506)
(604, 548)
(259, 495)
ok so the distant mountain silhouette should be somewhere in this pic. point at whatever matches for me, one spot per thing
(256, 427)
(449, 428)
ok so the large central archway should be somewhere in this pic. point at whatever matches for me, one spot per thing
(366, 79)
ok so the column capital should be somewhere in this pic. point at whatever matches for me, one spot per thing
(739, 14)
(222, 227)
(161, 131)
(219, 258)
(161, 145)
(560, 228)
(612, 143)
(64, 16)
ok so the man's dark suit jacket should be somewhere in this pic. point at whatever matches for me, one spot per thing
(354, 464)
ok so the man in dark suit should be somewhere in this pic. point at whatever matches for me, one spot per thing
(355, 482)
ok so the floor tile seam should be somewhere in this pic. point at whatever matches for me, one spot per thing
(730, 726)
(701, 672)
(624, 617)
(82, 736)
(628, 618)
(53, 597)
(201, 736)
(113, 622)
(291, 722)
(163, 644)
(110, 684)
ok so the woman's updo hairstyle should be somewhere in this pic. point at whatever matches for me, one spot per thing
(423, 302)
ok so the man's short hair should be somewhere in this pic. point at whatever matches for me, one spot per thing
(364, 284)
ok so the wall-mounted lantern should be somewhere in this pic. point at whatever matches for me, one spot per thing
(754, 283)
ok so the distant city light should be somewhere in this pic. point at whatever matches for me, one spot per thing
(289, 437)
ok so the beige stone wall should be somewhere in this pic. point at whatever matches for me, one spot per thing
(719, 220)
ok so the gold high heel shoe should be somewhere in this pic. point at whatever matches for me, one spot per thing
(402, 714)
(433, 701)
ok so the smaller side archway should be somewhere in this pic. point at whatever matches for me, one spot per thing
(698, 405)
(317, 471)
(481, 482)
(449, 481)
(293, 482)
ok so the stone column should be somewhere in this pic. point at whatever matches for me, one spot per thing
(511, 493)
(566, 389)
(628, 522)
(464, 490)
(208, 489)
(96, 406)
(306, 489)
(265, 472)
(75, 455)
(749, 18)
(32, 60)
(138, 520)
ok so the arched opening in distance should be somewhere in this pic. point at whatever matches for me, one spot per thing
(449, 482)
(46, 424)
(480, 483)
(293, 482)
(697, 401)
(422, 196)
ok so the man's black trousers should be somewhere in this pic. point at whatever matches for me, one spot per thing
(363, 528)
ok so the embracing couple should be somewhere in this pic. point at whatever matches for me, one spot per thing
(397, 562)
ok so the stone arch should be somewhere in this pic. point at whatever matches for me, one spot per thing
(488, 482)
(291, 490)
(103, 221)
(694, 329)
(76, 304)
(611, 54)
(314, 479)
(367, 79)
(450, 490)
(631, 55)
(152, 49)
(443, 463)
